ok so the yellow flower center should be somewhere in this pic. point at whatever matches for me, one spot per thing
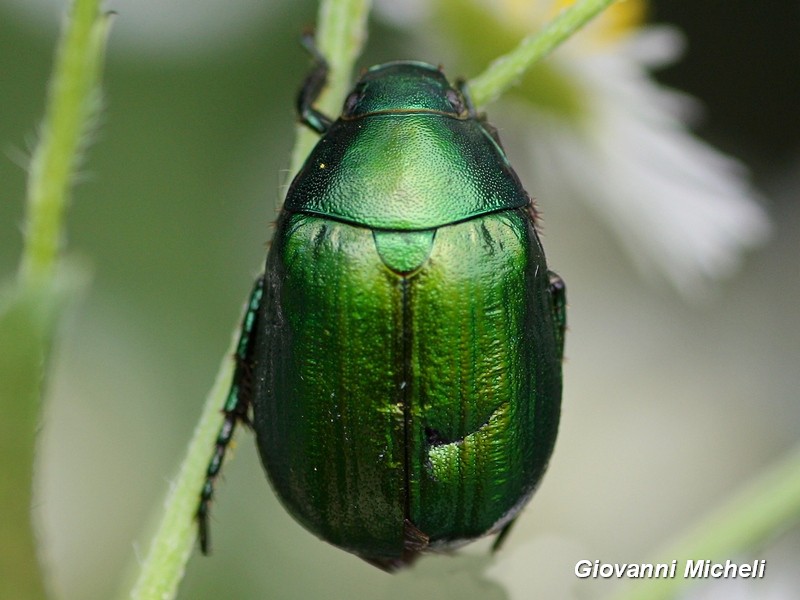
(618, 20)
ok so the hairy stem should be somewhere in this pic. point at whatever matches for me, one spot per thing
(73, 99)
(31, 307)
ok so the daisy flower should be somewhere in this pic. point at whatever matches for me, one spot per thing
(598, 127)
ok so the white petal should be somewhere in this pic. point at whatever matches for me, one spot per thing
(655, 46)
(677, 204)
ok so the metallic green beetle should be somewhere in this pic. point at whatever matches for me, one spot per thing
(401, 354)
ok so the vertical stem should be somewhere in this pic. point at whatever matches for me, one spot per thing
(72, 98)
(29, 311)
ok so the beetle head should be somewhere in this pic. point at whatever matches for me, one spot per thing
(404, 87)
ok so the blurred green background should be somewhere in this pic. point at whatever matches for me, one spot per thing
(668, 407)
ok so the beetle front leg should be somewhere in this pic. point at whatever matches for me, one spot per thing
(237, 406)
(312, 88)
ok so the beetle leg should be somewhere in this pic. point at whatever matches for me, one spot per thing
(236, 408)
(461, 85)
(558, 291)
(501, 537)
(312, 88)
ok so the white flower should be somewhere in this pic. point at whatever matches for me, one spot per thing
(677, 204)
(680, 207)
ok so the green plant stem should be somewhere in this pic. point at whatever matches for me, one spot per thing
(768, 505)
(24, 337)
(505, 71)
(73, 97)
(341, 30)
(162, 570)
(341, 33)
(30, 309)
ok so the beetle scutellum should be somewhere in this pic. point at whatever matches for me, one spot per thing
(401, 354)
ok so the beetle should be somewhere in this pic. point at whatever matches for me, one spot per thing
(401, 353)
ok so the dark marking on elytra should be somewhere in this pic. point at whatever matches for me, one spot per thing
(319, 237)
(435, 438)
